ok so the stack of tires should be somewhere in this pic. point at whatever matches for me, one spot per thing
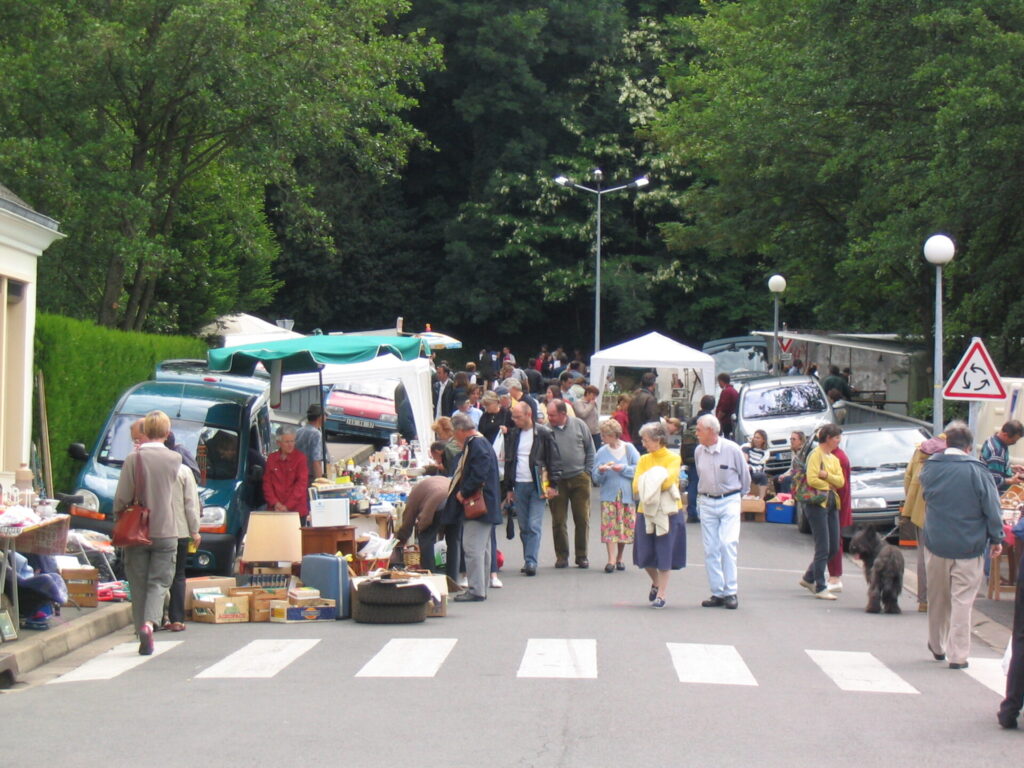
(381, 602)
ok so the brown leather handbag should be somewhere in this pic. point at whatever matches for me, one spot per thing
(474, 506)
(132, 526)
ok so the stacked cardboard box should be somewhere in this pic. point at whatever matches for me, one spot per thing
(82, 583)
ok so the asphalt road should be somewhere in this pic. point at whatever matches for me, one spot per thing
(615, 684)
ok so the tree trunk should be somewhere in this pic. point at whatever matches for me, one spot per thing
(147, 299)
(135, 299)
(112, 288)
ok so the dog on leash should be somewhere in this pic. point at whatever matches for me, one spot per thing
(883, 569)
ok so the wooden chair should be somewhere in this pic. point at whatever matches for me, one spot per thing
(997, 585)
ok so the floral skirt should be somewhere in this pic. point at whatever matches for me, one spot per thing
(618, 520)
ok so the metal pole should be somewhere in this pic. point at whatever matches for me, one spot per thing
(775, 352)
(937, 393)
(597, 277)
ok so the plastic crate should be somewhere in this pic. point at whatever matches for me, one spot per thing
(780, 513)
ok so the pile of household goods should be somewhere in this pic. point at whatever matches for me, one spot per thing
(325, 590)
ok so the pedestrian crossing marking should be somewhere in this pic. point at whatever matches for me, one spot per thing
(259, 659)
(409, 657)
(114, 662)
(859, 671)
(988, 672)
(712, 664)
(559, 658)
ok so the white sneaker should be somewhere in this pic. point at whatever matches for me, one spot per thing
(495, 581)
(836, 587)
(825, 595)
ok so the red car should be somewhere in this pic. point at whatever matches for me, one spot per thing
(355, 414)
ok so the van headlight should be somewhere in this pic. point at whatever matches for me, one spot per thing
(213, 518)
(869, 502)
(389, 418)
(89, 501)
(335, 410)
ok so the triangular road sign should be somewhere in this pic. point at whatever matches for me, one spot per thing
(975, 378)
(785, 344)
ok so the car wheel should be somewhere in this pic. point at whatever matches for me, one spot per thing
(388, 614)
(802, 523)
(378, 593)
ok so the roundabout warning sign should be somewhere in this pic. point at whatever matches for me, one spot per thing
(975, 377)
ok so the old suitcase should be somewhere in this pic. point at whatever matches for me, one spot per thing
(329, 574)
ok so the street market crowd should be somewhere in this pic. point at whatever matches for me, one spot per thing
(515, 444)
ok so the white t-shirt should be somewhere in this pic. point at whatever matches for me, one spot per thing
(523, 474)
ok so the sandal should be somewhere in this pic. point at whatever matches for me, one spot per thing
(610, 568)
(620, 566)
(176, 626)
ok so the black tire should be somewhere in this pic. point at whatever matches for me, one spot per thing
(802, 523)
(388, 614)
(378, 593)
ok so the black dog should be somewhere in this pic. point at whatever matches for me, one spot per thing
(883, 568)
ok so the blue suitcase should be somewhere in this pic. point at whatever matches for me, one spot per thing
(329, 574)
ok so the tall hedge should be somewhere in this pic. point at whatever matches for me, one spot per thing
(86, 368)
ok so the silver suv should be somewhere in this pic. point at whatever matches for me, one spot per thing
(780, 405)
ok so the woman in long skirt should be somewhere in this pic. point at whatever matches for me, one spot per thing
(614, 466)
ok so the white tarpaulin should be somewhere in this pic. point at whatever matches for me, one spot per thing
(379, 376)
(666, 356)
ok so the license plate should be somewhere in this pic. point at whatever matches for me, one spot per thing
(360, 423)
(783, 456)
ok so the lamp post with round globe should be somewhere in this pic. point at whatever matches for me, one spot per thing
(938, 250)
(776, 284)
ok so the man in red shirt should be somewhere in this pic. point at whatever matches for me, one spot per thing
(286, 477)
(727, 402)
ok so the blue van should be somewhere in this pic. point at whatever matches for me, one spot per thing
(224, 421)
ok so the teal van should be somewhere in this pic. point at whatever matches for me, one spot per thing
(223, 420)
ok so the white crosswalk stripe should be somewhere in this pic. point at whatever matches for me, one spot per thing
(858, 671)
(409, 657)
(988, 672)
(560, 658)
(117, 660)
(713, 664)
(259, 659)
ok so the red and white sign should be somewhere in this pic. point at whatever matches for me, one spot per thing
(975, 378)
(785, 344)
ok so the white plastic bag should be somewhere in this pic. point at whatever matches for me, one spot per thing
(498, 444)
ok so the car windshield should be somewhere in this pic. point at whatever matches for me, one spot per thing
(217, 447)
(784, 400)
(882, 448)
(736, 359)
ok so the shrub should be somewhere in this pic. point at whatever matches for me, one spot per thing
(86, 368)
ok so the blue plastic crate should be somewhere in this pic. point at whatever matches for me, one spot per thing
(779, 513)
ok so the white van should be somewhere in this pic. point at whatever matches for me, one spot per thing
(994, 413)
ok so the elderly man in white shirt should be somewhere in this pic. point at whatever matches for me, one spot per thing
(723, 478)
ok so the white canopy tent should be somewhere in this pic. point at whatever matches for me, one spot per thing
(370, 377)
(666, 356)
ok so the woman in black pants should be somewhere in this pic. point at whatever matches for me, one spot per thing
(825, 475)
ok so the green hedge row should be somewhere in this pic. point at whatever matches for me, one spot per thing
(86, 368)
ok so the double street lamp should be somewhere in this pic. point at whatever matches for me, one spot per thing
(938, 250)
(637, 183)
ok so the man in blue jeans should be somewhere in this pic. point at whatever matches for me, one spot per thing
(531, 472)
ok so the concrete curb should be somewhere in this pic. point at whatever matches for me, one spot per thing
(33, 649)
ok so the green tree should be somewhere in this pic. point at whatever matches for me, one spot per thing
(120, 117)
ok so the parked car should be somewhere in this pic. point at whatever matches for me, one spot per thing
(224, 421)
(878, 461)
(360, 415)
(780, 405)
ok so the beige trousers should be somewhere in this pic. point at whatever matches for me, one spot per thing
(952, 587)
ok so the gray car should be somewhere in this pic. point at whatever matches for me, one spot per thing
(878, 460)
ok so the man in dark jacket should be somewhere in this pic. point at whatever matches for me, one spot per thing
(476, 471)
(728, 401)
(643, 408)
(963, 519)
(531, 473)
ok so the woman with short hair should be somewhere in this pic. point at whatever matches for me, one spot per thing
(614, 467)
(660, 538)
(825, 475)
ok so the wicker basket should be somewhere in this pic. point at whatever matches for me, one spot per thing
(412, 556)
(49, 538)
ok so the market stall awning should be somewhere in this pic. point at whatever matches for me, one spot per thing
(308, 353)
(437, 340)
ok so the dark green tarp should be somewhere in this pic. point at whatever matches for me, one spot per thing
(308, 353)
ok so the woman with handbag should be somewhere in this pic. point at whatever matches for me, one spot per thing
(145, 524)
(819, 493)
(475, 497)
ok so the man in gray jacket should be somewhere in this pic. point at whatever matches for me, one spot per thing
(574, 464)
(963, 519)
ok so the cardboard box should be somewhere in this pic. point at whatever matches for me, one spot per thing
(259, 600)
(224, 583)
(283, 612)
(303, 596)
(751, 504)
(82, 583)
(227, 609)
(780, 513)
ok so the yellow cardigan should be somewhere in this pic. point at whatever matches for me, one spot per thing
(819, 460)
(662, 457)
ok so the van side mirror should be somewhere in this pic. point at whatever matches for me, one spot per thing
(77, 452)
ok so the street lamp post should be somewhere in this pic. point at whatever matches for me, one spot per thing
(938, 250)
(598, 175)
(776, 284)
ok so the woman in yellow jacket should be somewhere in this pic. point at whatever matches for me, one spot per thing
(824, 474)
(659, 544)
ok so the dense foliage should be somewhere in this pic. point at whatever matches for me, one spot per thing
(86, 369)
